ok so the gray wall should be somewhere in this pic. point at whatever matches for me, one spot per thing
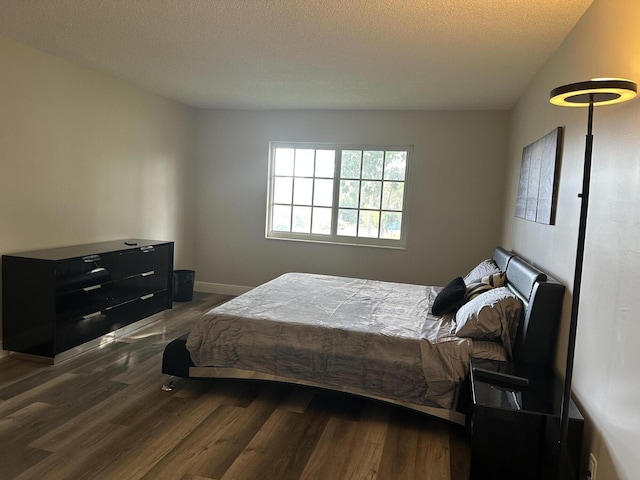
(455, 200)
(85, 157)
(605, 43)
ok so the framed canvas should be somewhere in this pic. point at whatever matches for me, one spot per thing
(538, 186)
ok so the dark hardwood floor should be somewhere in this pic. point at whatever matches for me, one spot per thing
(102, 415)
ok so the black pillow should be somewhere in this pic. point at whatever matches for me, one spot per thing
(451, 298)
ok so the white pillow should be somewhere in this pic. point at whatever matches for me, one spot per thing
(483, 269)
(494, 315)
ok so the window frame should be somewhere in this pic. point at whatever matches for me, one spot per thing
(334, 237)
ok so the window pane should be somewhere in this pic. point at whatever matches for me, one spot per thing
(325, 163)
(392, 195)
(281, 218)
(323, 192)
(301, 220)
(321, 221)
(302, 190)
(370, 194)
(372, 165)
(349, 193)
(395, 165)
(284, 161)
(304, 162)
(368, 224)
(282, 189)
(350, 164)
(336, 193)
(391, 223)
(348, 222)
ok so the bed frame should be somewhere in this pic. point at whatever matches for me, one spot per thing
(535, 344)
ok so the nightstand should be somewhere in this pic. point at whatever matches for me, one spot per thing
(515, 422)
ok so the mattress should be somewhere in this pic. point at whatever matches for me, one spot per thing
(378, 337)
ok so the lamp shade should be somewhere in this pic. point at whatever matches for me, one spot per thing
(599, 91)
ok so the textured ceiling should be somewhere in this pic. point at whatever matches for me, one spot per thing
(311, 54)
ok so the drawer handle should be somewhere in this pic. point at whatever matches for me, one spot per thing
(92, 287)
(147, 249)
(91, 315)
(91, 258)
(146, 274)
(146, 297)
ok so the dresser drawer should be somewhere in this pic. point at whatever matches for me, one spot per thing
(138, 309)
(92, 270)
(95, 298)
(79, 275)
(138, 285)
(72, 331)
(144, 259)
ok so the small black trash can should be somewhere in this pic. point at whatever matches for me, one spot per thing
(183, 285)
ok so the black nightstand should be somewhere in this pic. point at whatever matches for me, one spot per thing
(515, 423)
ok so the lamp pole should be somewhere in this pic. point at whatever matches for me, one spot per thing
(603, 92)
(577, 284)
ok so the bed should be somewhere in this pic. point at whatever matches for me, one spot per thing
(382, 340)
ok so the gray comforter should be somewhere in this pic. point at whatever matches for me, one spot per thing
(378, 337)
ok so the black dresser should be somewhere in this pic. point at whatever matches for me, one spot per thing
(55, 302)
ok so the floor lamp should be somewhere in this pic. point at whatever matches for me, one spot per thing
(599, 91)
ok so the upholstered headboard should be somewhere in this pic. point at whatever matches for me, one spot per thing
(501, 257)
(542, 296)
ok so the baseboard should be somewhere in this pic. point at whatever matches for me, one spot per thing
(220, 288)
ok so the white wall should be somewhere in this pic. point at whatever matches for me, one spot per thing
(85, 157)
(455, 200)
(605, 43)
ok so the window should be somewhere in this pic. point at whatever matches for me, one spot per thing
(338, 193)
